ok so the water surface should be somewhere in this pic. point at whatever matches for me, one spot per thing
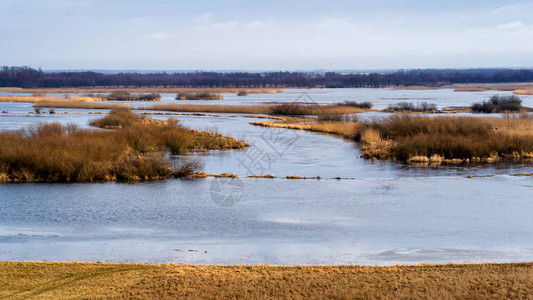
(386, 213)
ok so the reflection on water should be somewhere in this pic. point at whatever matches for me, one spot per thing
(387, 213)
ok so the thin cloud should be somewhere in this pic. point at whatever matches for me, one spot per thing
(158, 35)
(512, 25)
(205, 18)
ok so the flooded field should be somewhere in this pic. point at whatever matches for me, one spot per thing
(380, 213)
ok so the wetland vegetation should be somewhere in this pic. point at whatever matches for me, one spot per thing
(498, 104)
(199, 96)
(134, 150)
(430, 139)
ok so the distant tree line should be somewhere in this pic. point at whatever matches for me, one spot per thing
(27, 77)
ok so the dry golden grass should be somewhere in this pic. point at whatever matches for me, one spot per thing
(435, 140)
(345, 129)
(258, 91)
(479, 87)
(135, 151)
(523, 92)
(32, 280)
(79, 104)
(45, 99)
(263, 176)
(135, 90)
(282, 109)
(202, 174)
(470, 89)
(245, 109)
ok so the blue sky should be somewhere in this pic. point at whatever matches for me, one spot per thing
(265, 35)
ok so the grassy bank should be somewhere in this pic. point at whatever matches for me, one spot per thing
(432, 139)
(134, 151)
(30, 280)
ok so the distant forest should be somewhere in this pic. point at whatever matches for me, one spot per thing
(27, 77)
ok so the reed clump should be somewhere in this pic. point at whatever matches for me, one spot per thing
(432, 139)
(464, 138)
(117, 118)
(123, 95)
(135, 151)
(523, 92)
(245, 109)
(79, 104)
(46, 99)
(300, 109)
(199, 96)
(362, 105)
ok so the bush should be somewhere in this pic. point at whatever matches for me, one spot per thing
(498, 104)
(117, 118)
(362, 105)
(242, 93)
(121, 96)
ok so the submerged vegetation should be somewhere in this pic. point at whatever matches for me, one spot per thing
(498, 104)
(134, 151)
(431, 139)
(199, 96)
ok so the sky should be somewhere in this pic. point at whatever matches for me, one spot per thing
(265, 35)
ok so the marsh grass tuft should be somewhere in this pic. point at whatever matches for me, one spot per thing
(135, 151)
(432, 139)
(362, 105)
(199, 96)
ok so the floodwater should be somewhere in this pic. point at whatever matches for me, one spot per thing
(383, 213)
(380, 97)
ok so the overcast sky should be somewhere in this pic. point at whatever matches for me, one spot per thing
(265, 35)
